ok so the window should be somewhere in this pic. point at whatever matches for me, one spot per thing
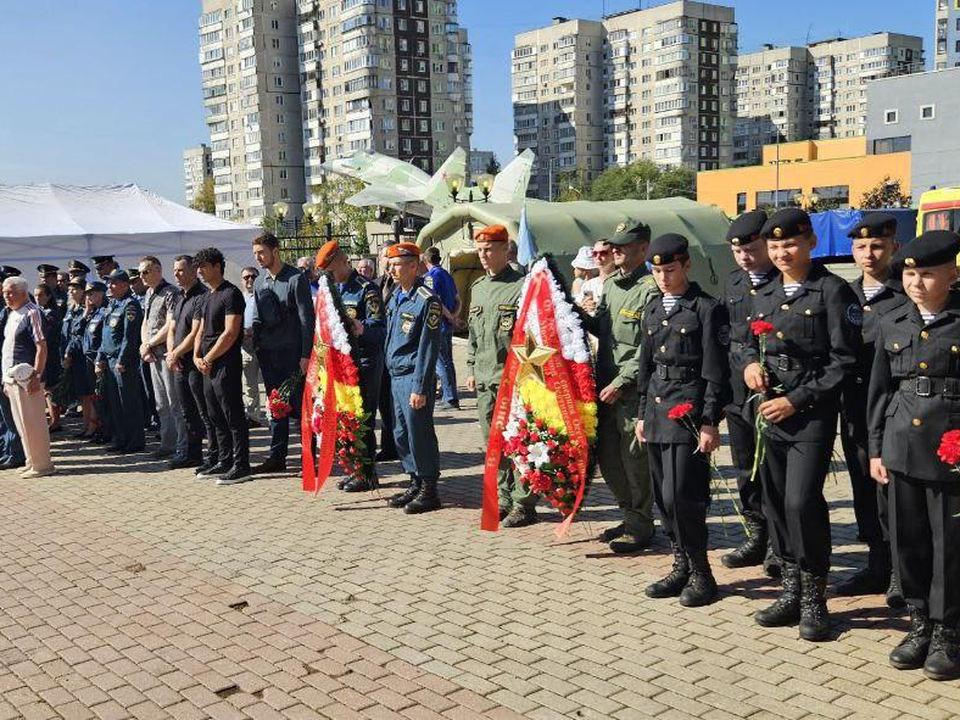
(283, 173)
(834, 194)
(741, 203)
(928, 112)
(892, 145)
(275, 24)
(891, 117)
(768, 198)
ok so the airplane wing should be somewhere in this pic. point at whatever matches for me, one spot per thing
(510, 184)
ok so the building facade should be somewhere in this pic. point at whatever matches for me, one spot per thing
(197, 167)
(479, 161)
(947, 35)
(802, 173)
(391, 76)
(653, 84)
(918, 113)
(813, 92)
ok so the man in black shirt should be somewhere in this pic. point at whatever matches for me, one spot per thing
(181, 333)
(216, 354)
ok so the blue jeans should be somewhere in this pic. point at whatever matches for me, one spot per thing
(446, 371)
(10, 446)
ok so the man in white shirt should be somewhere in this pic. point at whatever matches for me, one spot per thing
(251, 368)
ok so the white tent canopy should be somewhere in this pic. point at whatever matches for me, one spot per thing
(55, 223)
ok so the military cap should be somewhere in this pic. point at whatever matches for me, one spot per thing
(47, 269)
(934, 247)
(492, 233)
(875, 225)
(133, 273)
(668, 248)
(98, 259)
(10, 271)
(119, 275)
(96, 286)
(77, 282)
(624, 234)
(746, 228)
(326, 252)
(404, 249)
(786, 223)
(77, 267)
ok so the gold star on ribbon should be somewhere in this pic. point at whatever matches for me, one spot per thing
(532, 358)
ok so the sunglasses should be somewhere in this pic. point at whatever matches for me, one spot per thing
(249, 277)
(599, 253)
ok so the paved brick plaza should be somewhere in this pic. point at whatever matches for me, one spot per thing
(132, 591)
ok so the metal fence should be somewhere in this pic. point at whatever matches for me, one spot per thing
(297, 245)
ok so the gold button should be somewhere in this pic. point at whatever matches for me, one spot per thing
(664, 323)
(917, 422)
(923, 366)
(867, 308)
(807, 312)
(954, 349)
(663, 348)
(859, 380)
(896, 346)
(924, 334)
(649, 332)
(753, 292)
(779, 335)
(683, 331)
(656, 399)
(785, 307)
(760, 315)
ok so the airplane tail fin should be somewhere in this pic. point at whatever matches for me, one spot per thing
(510, 184)
(437, 194)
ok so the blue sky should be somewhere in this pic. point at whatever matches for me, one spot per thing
(119, 98)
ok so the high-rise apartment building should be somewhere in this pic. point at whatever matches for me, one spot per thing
(947, 36)
(652, 84)
(813, 92)
(251, 91)
(392, 76)
(197, 167)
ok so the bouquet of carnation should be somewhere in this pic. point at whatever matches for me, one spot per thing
(332, 400)
(279, 399)
(545, 419)
(761, 329)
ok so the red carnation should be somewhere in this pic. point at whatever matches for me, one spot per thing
(761, 327)
(949, 450)
(678, 412)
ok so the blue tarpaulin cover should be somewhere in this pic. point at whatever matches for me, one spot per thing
(831, 228)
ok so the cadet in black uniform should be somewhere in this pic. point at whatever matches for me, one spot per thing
(683, 359)
(813, 347)
(755, 272)
(874, 244)
(914, 398)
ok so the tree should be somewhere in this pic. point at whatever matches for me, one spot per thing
(493, 167)
(572, 185)
(644, 180)
(886, 194)
(205, 201)
(330, 197)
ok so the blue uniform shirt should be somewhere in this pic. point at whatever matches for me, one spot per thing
(93, 333)
(361, 299)
(73, 326)
(441, 282)
(413, 336)
(121, 334)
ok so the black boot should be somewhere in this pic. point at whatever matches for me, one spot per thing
(912, 651)
(674, 583)
(786, 609)
(771, 564)
(753, 550)
(399, 501)
(943, 659)
(701, 588)
(426, 500)
(520, 516)
(874, 578)
(356, 484)
(895, 594)
(814, 618)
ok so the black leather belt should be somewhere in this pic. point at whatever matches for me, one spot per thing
(924, 386)
(785, 363)
(673, 372)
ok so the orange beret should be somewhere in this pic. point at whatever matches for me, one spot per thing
(492, 233)
(404, 249)
(326, 253)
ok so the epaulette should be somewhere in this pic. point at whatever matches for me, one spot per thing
(424, 292)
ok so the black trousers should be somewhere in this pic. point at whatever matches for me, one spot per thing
(148, 399)
(925, 533)
(370, 379)
(797, 513)
(869, 500)
(387, 443)
(193, 406)
(743, 444)
(223, 391)
(681, 487)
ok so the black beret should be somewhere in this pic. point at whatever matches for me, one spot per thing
(10, 271)
(786, 223)
(97, 259)
(624, 234)
(746, 228)
(667, 249)
(875, 225)
(96, 286)
(45, 269)
(134, 273)
(119, 275)
(77, 266)
(934, 247)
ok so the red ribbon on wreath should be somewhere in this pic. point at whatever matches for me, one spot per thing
(314, 478)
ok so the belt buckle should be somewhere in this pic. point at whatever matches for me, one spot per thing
(783, 363)
(662, 372)
(923, 386)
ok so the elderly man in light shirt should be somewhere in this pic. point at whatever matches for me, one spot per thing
(251, 367)
(24, 355)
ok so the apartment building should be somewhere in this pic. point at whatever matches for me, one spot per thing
(197, 167)
(651, 84)
(392, 76)
(947, 35)
(251, 92)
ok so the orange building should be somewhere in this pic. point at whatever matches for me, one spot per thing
(839, 170)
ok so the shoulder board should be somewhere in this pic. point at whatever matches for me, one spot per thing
(507, 308)
(424, 293)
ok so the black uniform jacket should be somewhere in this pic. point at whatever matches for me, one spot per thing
(814, 346)
(914, 395)
(683, 358)
(737, 298)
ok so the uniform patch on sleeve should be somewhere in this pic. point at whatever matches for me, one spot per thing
(630, 314)
(855, 314)
(373, 304)
(723, 335)
(428, 281)
(352, 312)
(131, 313)
(433, 316)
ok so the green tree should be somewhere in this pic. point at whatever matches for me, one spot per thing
(205, 201)
(572, 185)
(330, 198)
(886, 194)
(493, 167)
(644, 180)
